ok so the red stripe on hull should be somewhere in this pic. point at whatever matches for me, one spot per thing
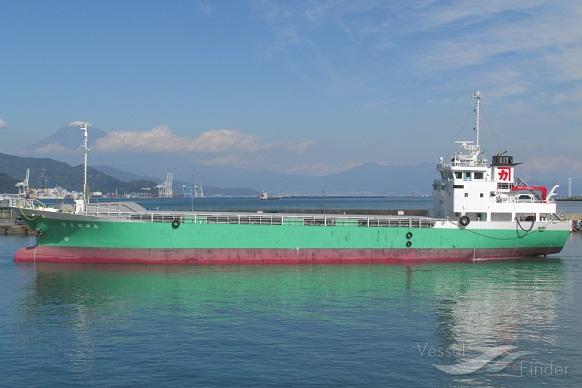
(268, 256)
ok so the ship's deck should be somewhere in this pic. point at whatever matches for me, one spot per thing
(258, 218)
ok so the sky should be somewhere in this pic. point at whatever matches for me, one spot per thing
(310, 87)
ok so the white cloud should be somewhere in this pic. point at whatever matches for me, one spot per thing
(162, 139)
(3, 123)
(571, 95)
(217, 140)
(474, 11)
(568, 61)
(537, 40)
(78, 123)
(548, 30)
(504, 82)
(533, 44)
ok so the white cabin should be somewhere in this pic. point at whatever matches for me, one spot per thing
(470, 187)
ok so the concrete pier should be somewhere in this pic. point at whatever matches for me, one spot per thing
(8, 223)
(11, 228)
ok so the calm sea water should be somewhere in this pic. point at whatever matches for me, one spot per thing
(124, 325)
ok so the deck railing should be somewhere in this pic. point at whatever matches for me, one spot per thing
(477, 163)
(263, 219)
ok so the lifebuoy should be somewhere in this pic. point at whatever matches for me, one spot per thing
(176, 224)
(408, 244)
(408, 235)
(464, 221)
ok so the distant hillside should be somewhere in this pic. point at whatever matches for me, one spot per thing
(378, 178)
(65, 175)
(366, 179)
(122, 175)
(7, 184)
(369, 178)
(208, 190)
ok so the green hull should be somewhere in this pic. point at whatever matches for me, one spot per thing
(158, 235)
(92, 239)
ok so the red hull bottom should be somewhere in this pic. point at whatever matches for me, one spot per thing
(269, 256)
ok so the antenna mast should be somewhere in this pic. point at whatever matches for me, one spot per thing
(477, 97)
(85, 148)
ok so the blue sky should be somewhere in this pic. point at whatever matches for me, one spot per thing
(298, 86)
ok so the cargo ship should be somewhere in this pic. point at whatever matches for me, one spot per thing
(481, 212)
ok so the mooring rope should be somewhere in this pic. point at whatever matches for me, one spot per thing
(498, 238)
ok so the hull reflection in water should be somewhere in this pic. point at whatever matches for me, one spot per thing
(189, 322)
(484, 299)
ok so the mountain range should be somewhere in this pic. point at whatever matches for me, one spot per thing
(366, 179)
(13, 169)
(7, 184)
(101, 178)
(178, 185)
(369, 178)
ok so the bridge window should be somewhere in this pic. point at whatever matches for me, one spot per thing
(478, 175)
(468, 175)
(500, 216)
(458, 175)
(477, 216)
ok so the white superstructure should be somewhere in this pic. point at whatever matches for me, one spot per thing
(470, 187)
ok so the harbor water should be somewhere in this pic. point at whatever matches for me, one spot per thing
(504, 323)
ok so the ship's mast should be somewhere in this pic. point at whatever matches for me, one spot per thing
(477, 97)
(85, 148)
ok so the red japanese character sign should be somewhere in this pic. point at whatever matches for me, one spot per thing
(504, 174)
